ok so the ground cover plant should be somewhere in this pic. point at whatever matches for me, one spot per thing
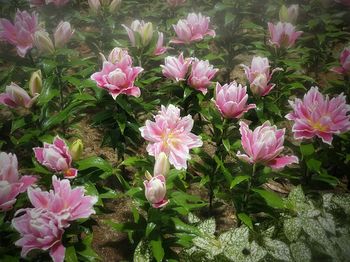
(174, 130)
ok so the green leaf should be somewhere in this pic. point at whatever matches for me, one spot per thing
(208, 226)
(70, 255)
(246, 220)
(292, 228)
(307, 149)
(94, 162)
(314, 164)
(271, 198)
(237, 180)
(278, 249)
(142, 252)
(86, 250)
(226, 143)
(157, 249)
(183, 227)
(300, 252)
(18, 123)
(149, 228)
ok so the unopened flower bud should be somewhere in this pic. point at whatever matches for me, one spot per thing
(63, 33)
(76, 149)
(162, 165)
(114, 5)
(35, 83)
(43, 42)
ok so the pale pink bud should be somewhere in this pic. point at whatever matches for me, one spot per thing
(63, 33)
(43, 42)
(344, 67)
(162, 165)
(155, 191)
(283, 34)
(114, 5)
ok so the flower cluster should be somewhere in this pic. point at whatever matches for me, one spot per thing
(42, 226)
(201, 72)
(144, 31)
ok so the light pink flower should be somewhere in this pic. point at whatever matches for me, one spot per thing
(264, 145)
(162, 165)
(231, 100)
(160, 48)
(176, 68)
(175, 2)
(283, 34)
(259, 75)
(21, 33)
(11, 184)
(201, 74)
(66, 203)
(320, 116)
(194, 28)
(56, 157)
(155, 191)
(39, 229)
(118, 74)
(63, 33)
(344, 67)
(16, 96)
(172, 135)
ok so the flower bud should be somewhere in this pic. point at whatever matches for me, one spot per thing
(63, 33)
(43, 42)
(94, 5)
(76, 149)
(289, 14)
(155, 191)
(114, 5)
(146, 33)
(35, 83)
(162, 165)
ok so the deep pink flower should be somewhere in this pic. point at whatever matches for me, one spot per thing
(21, 33)
(344, 67)
(172, 135)
(231, 100)
(16, 96)
(68, 204)
(194, 28)
(39, 229)
(160, 48)
(56, 157)
(155, 191)
(320, 116)
(283, 34)
(259, 76)
(118, 74)
(264, 145)
(176, 68)
(11, 184)
(201, 74)
(175, 2)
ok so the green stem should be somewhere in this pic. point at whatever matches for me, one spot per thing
(61, 87)
(250, 182)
